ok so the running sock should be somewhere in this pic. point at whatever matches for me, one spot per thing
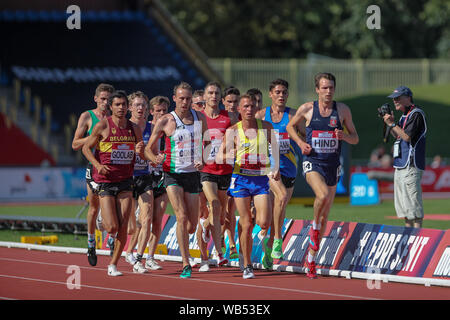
(91, 240)
(316, 226)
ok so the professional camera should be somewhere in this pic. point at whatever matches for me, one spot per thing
(384, 109)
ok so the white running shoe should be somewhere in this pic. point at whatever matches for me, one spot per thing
(204, 266)
(248, 272)
(130, 259)
(152, 264)
(112, 271)
(139, 268)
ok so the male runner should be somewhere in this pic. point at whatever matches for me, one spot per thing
(184, 129)
(278, 114)
(143, 186)
(215, 176)
(325, 120)
(86, 124)
(198, 103)
(116, 140)
(247, 143)
(159, 106)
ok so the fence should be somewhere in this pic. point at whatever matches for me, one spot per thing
(353, 77)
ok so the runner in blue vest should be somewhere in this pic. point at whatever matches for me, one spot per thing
(322, 122)
(278, 114)
(409, 156)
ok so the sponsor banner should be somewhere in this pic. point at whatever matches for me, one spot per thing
(35, 183)
(439, 266)
(333, 242)
(434, 180)
(168, 237)
(390, 250)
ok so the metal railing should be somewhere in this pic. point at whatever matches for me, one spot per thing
(353, 77)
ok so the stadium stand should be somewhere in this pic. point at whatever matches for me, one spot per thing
(132, 50)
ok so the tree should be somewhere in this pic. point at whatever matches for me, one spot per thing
(292, 29)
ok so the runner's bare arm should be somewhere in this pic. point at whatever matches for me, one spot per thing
(298, 121)
(92, 141)
(79, 138)
(347, 122)
(271, 137)
(150, 151)
(139, 148)
(227, 148)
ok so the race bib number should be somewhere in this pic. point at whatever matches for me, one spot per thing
(284, 142)
(215, 146)
(140, 164)
(122, 153)
(307, 166)
(324, 141)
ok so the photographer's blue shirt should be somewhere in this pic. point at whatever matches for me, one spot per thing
(413, 152)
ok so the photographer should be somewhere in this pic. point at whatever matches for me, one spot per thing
(409, 156)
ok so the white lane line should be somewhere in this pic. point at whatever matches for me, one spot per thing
(97, 287)
(210, 281)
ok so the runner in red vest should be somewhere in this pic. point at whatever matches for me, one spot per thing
(116, 140)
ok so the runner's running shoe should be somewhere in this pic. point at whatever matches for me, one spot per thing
(277, 251)
(186, 273)
(248, 272)
(204, 266)
(233, 252)
(152, 264)
(311, 269)
(112, 271)
(92, 256)
(139, 268)
(221, 260)
(267, 260)
(129, 257)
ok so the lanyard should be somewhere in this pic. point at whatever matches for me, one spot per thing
(407, 115)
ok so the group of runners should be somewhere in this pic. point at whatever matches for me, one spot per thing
(208, 162)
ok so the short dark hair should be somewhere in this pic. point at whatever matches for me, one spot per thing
(277, 82)
(117, 94)
(254, 91)
(324, 75)
(231, 90)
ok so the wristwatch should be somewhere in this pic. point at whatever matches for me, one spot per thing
(392, 125)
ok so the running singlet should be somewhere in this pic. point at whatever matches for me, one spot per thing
(252, 156)
(141, 166)
(320, 135)
(116, 151)
(216, 129)
(288, 162)
(184, 146)
(94, 120)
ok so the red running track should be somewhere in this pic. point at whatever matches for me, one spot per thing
(39, 275)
